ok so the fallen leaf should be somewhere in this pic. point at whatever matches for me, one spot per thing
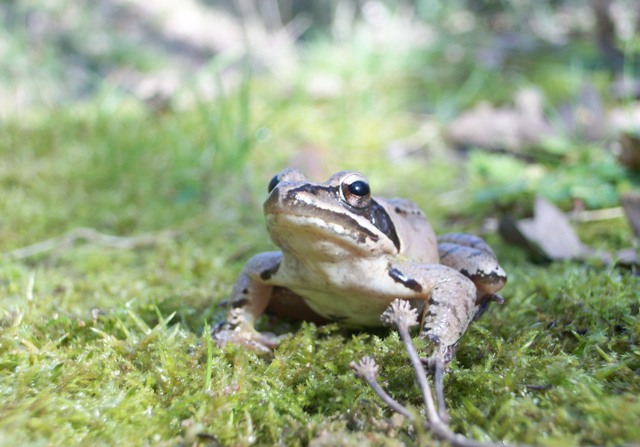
(548, 235)
(628, 257)
(509, 127)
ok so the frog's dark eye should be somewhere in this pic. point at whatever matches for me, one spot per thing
(273, 183)
(357, 193)
(359, 188)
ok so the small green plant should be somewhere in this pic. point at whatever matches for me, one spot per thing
(584, 173)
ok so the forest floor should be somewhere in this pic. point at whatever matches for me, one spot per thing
(130, 205)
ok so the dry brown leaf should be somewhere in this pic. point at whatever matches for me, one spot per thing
(549, 234)
(509, 127)
(628, 257)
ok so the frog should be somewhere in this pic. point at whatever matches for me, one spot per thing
(346, 254)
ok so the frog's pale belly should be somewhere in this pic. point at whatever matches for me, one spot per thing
(354, 292)
(356, 309)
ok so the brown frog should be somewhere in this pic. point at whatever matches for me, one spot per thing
(345, 255)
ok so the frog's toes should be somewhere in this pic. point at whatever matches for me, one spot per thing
(483, 304)
(238, 331)
(256, 341)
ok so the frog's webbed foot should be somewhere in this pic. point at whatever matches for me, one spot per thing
(236, 329)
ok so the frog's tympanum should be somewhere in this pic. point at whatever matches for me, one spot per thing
(345, 255)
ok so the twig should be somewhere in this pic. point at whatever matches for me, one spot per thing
(402, 316)
(367, 370)
(92, 236)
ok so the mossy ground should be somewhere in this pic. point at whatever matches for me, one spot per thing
(101, 346)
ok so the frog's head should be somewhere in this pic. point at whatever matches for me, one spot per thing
(328, 220)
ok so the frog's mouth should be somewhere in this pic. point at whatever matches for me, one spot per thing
(336, 227)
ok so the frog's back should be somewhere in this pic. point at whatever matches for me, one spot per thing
(418, 241)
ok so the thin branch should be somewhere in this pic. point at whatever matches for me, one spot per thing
(402, 316)
(367, 370)
(92, 236)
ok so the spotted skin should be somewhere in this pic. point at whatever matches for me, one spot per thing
(473, 257)
(345, 255)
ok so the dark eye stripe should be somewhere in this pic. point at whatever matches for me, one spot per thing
(380, 218)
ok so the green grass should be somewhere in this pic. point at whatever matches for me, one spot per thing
(100, 346)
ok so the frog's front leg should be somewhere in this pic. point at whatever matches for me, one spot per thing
(473, 257)
(250, 297)
(255, 293)
(449, 306)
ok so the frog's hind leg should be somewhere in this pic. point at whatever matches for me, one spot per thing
(466, 240)
(449, 306)
(474, 258)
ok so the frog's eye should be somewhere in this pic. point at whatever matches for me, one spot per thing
(357, 193)
(273, 183)
(359, 188)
